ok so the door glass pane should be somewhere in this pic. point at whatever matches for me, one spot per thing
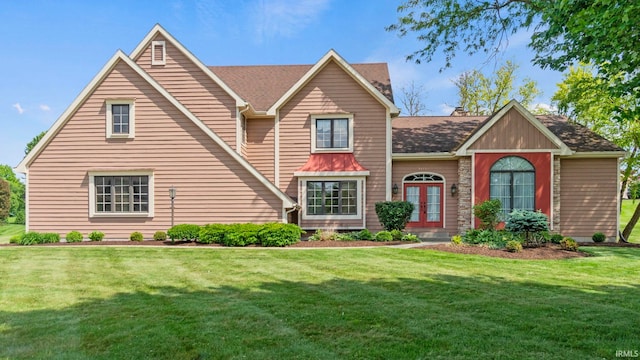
(413, 196)
(433, 203)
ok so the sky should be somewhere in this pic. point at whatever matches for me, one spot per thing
(53, 49)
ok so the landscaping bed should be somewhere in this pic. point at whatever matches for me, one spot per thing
(548, 251)
(168, 243)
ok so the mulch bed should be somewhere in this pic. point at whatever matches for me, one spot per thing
(301, 244)
(548, 252)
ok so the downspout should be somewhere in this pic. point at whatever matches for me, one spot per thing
(287, 212)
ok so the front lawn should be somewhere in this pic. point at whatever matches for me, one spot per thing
(8, 230)
(628, 206)
(385, 303)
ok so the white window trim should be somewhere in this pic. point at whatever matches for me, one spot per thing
(109, 118)
(315, 150)
(360, 195)
(153, 53)
(92, 193)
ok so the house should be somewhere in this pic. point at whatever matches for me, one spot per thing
(316, 144)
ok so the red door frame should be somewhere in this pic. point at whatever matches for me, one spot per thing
(423, 206)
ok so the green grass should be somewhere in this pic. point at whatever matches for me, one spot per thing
(628, 207)
(8, 230)
(382, 303)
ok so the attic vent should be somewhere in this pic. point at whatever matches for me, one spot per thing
(158, 53)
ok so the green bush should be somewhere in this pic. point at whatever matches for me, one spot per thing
(279, 234)
(73, 236)
(15, 239)
(489, 213)
(241, 235)
(556, 238)
(364, 234)
(187, 232)
(513, 246)
(569, 244)
(598, 237)
(394, 215)
(50, 238)
(211, 233)
(136, 236)
(346, 236)
(456, 240)
(96, 236)
(324, 235)
(20, 218)
(396, 234)
(410, 237)
(530, 224)
(383, 236)
(494, 239)
(160, 236)
(30, 238)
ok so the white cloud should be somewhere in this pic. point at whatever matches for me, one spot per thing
(446, 109)
(45, 107)
(545, 108)
(285, 18)
(19, 108)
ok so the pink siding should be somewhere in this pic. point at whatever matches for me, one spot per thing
(333, 91)
(260, 146)
(448, 169)
(194, 89)
(211, 186)
(513, 131)
(588, 196)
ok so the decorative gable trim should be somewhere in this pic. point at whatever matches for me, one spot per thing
(332, 55)
(120, 56)
(157, 29)
(464, 149)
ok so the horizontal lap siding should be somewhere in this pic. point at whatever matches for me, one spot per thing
(260, 146)
(447, 168)
(211, 186)
(194, 89)
(333, 91)
(513, 131)
(588, 196)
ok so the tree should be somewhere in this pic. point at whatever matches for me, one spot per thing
(5, 200)
(34, 142)
(587, 100)
(482, 95)
(16, 187)
(412, 99)
(602, 32)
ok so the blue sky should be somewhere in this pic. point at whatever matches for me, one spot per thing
(52, 49)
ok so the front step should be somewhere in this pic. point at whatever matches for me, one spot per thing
(430, 236)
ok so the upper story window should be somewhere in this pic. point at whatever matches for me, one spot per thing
(513, 182)
(158, 53)
(120, 120)
(332, 133)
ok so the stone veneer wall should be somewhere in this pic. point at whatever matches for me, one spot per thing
(464, 194)
(555, 221)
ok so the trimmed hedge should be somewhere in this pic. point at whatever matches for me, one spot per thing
(279, 234)
(187, 232)
(136, 236)
(270, 234)
(33, 237)
(73, 236)
(394, 215)
(96, 236)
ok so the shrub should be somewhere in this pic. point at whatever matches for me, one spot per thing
(556, 238)
(324, 235)
(136, 236)
(396, 234)
(241, 235)
(160, 236)
(493, 238)
(30, 238)
(186, 232)
(531, 224)
(598, 237)
(49, 238)
(383, 236)
(73, 236)
(96, 236)
(393, 215)
(20, 218)
(15, 239)
(410, 237)
(210, 234)
(364, 234)
(346, 236)
(513, 246)
(489, 213)
(569, 244)
(456, 240)
(279, 234)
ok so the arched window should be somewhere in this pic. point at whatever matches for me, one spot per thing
(513, 181)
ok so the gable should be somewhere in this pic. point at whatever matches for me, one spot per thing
(513, 131)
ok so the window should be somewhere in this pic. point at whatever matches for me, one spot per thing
(121, 194)
(332, 133)
(513, 183)
(120, 118)
(332, 197)
(158, 53)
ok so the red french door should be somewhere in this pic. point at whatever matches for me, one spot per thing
(427, 204)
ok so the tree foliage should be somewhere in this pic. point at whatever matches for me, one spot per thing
(5, 200)
(16, 188)
(483, 95)
(602, 32)
(412, 99)
(31, 144)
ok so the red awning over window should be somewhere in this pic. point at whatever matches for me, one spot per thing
(332, 162)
